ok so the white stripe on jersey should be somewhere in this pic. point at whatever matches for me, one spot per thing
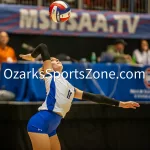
(59, 95)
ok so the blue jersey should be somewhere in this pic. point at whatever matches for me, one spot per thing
(60, 94)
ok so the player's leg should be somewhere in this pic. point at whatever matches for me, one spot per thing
(53, 138)
(37, 130)
(54, 142)
(39, 141)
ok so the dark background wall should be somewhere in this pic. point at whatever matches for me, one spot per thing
(76, 47)
(86, 127)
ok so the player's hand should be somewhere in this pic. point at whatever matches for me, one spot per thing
(27, 57)
(129, 104)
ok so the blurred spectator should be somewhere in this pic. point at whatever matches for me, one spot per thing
(7, 54)
(142, 55)
(9, 1)
(115, 53)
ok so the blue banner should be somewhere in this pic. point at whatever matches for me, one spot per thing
(119, 81)
(21, 19)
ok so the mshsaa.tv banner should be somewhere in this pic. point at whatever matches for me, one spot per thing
(35, 20)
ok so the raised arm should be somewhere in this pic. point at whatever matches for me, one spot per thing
(103, 99)
(43, 50)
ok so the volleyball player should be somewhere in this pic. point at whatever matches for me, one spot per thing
(60, 93)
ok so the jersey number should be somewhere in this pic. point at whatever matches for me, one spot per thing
(69, 94)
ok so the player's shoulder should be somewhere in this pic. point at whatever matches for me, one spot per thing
(52, 75)
(56, 76)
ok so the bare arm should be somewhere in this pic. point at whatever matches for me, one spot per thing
(78, 94)
(103, 99)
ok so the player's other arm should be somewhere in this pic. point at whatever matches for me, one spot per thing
(43, 50)
(103, 99)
